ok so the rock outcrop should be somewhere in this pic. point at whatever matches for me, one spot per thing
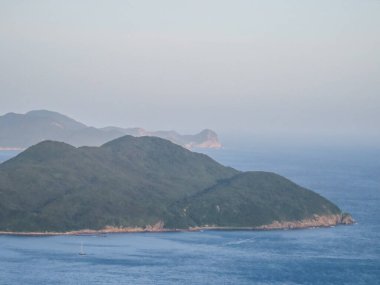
(315, 221)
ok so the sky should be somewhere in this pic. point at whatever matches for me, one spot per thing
(289, 68)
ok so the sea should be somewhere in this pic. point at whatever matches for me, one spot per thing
(350, 177)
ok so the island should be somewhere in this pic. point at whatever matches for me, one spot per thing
(147, 184)
(19, 131)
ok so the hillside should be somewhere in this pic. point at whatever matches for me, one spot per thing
(134, 182)
(24, 130)
(250, 199)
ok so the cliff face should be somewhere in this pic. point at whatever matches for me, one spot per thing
(19, 131)
(205, 139)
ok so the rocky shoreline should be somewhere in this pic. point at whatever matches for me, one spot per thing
(315, 222)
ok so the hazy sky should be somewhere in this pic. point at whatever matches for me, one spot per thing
(251, 66)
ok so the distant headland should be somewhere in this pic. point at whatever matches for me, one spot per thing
(19, 131)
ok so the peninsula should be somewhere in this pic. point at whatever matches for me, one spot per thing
(19, 131)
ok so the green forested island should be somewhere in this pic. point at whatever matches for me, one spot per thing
(140, 182)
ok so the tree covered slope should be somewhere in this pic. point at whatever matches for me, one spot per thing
(133, 182)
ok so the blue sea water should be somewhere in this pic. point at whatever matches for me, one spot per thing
(339, 255)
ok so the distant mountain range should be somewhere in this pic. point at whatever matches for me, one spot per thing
(24, 130)
(147, 183)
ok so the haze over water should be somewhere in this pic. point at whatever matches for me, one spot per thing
(291, 69)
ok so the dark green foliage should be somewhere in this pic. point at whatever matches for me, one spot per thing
(130, 181)
(249, 199)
